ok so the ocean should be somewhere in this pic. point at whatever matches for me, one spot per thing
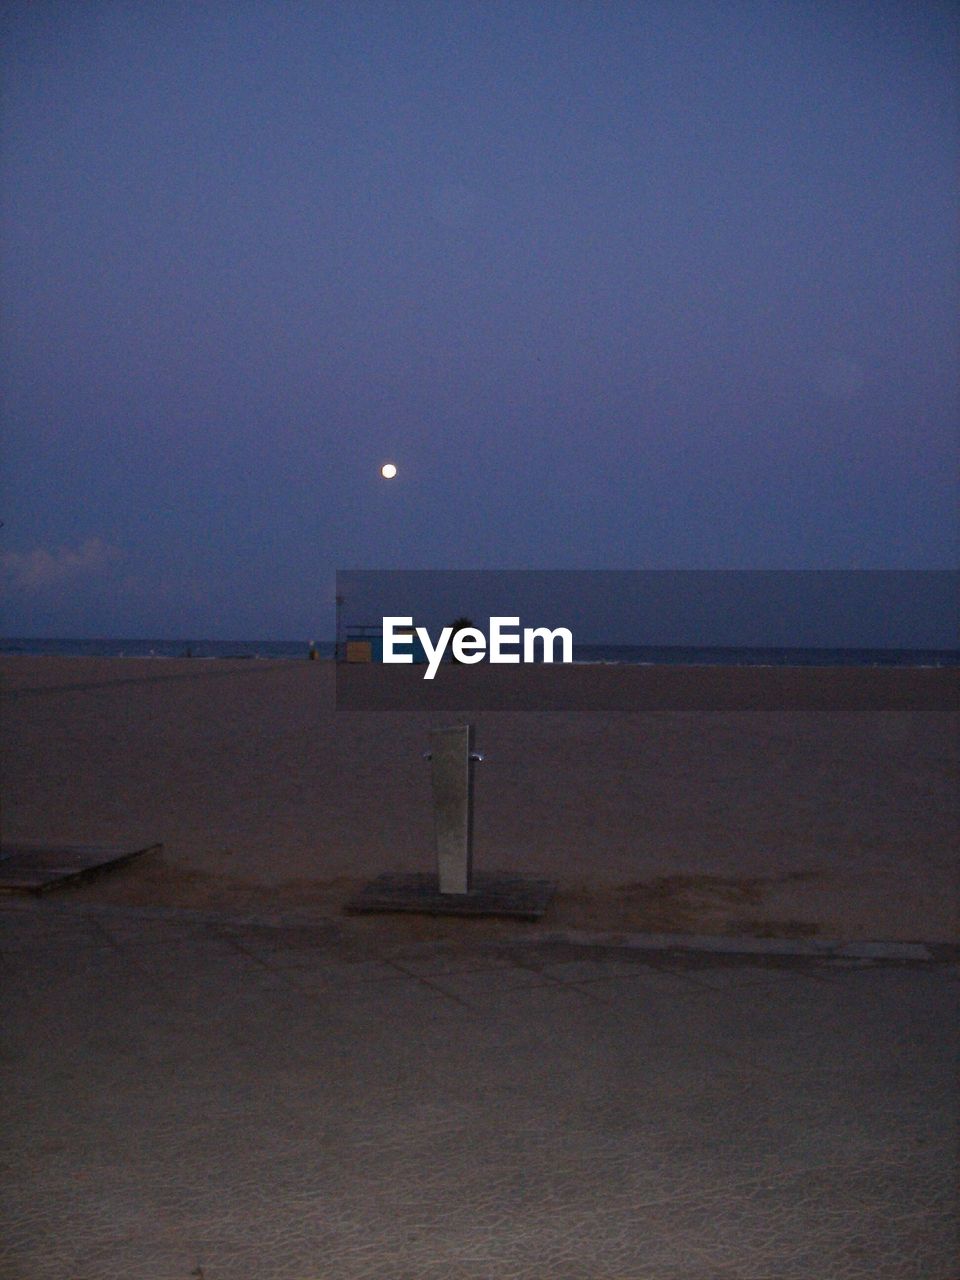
(652, 655)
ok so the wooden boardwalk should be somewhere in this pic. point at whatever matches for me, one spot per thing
(35, 868)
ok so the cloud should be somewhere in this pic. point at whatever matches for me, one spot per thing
(38, 569)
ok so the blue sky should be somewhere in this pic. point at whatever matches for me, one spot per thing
(616, 286)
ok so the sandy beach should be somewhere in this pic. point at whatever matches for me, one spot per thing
(820, 802)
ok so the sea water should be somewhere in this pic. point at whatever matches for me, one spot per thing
(652, 655)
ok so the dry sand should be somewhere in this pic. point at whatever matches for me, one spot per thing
(826, 805)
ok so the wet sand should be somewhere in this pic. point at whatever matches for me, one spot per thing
(817, 802)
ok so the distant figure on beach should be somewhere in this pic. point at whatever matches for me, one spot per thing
(312, 652)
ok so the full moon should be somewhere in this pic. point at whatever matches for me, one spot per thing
(388, 471)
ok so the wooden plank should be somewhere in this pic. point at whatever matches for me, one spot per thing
(35, 868)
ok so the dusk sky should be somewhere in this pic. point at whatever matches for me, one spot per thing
(659, 285)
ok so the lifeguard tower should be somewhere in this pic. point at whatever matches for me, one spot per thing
(364, 643)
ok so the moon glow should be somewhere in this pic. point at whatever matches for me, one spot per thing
(388, 471)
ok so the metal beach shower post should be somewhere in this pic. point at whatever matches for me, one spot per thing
(453, 889)
(452, 760)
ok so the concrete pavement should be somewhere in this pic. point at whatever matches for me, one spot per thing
(211, 1097)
